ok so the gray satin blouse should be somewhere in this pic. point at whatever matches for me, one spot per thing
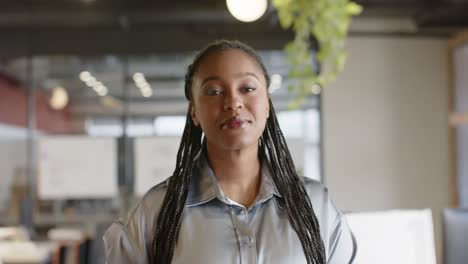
(216, 229)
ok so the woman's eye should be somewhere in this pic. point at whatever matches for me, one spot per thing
(214, 92)
(248, 89)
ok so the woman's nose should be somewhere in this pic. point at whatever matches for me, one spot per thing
(232, 102)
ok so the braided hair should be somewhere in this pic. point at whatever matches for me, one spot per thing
(272, 148)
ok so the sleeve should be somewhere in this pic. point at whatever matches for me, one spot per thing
(129, 240)
(342, 244)
(122, 247)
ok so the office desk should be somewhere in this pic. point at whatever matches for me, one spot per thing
(13, 252)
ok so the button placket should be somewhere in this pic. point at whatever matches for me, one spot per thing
(245, 236)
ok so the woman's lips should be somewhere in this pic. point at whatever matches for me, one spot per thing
(235, 122)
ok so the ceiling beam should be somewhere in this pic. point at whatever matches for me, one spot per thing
(156, 39)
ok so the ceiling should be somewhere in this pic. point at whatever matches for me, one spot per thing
(141, 26)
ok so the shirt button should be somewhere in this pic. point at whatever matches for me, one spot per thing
(248, 240)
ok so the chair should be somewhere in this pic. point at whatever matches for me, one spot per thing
(455, 236)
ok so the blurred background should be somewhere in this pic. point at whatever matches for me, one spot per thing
(92, 110)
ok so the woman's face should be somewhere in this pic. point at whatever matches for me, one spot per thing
(229, 100)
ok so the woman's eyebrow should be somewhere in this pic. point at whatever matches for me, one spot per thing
(211, 78)
(239, 75)
(243, 74)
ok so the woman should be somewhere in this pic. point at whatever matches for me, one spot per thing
(234, 196)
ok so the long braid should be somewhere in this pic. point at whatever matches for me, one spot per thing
(170, 216)
(298, 205)
(272, 145)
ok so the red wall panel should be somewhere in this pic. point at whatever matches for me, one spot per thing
(14, 108)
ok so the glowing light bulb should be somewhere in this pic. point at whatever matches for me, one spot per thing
(59, 98)
(138, 77)
(85, 76)
(247, 10)
(147, 93)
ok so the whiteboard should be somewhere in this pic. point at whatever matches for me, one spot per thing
(155, 159)
(77, 167)
(389, 237)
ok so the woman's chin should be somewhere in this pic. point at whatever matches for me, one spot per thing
(233, 144)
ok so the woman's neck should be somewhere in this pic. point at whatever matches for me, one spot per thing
(237, 172)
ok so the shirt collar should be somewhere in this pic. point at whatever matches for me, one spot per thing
(204, 185)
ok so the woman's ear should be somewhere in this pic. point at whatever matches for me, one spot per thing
(268, 110)
(193, 115)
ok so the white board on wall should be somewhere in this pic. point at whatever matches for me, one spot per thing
(155, 159)
(77, 167)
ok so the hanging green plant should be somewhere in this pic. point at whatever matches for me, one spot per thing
(326, 20)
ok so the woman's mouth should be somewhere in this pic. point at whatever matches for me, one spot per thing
(235, 122)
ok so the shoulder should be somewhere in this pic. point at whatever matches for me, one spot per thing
(145, 210)
(149, 205)
(314, 188)
(127, 239)
(153, 198)
(321, 201)
(312, 183)
(337, 237)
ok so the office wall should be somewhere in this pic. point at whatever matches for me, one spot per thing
(13, 129)
(385, 127)
(14, 108)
